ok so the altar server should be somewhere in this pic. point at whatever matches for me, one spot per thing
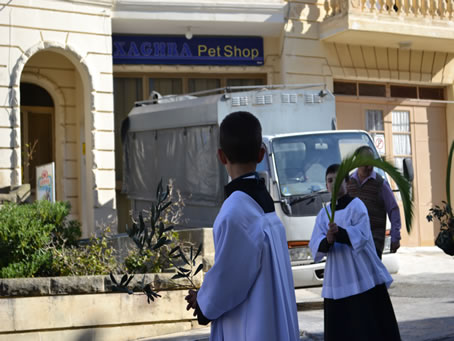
(248, 294)
(356, 300)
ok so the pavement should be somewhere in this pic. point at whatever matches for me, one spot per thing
(412, 261)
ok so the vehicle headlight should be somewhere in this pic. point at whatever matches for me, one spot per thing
(300, 255)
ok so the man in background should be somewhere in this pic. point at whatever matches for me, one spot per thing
(379, 199)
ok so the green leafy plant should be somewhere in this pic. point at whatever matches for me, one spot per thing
(444, 214)
(96, 257)
(357, 160)
(152, 231)
(153, 236)
(185, 265)
(33, 265)
(26, 231)
(187, 269)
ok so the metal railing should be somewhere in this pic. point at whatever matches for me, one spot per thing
(435, 9)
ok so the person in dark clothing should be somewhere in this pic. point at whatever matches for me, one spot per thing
(379, 199)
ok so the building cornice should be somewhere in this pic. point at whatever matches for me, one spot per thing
(199, 6)
(204, 17)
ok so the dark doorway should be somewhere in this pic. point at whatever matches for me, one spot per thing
(37, 131)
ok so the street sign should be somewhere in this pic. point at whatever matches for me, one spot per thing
(379, 141)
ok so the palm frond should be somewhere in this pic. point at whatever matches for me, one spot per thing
(448, 175)
(358, 160)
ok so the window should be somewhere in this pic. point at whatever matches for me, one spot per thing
(263, 165)
(380, 90)
(244, 82)
(343, 88)
(126, 92)
(401, 137)
(374, 120)
(201, 84)
(431, 93)
(376, 128)
(166, 86)
(33, 95)
(377, 90)
(404, 91)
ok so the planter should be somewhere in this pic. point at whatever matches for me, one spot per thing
(445, 241)
(84, 308)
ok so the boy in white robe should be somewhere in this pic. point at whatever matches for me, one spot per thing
(356, 301)
(248, 294)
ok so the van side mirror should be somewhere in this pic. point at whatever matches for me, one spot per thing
(408, 169)
(266, 177)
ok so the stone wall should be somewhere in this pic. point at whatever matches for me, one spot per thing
(85, 308)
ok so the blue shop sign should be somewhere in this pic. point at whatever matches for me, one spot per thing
(179, 50)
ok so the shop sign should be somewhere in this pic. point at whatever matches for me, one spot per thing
(128, 49)
(45, 182)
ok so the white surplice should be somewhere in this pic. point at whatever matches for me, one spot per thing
(248, 293)
(354, 269)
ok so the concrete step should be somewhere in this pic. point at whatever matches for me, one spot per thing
(198, 334)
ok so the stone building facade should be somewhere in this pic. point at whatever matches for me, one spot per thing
(389, 63)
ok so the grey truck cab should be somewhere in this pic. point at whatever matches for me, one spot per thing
(176, 137)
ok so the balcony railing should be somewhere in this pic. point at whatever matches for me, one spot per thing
(435, 9)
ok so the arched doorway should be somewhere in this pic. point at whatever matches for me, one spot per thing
(37, 131)
(52, 127)
(82, 119)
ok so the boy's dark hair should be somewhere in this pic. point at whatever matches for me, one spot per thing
(333, 169)
(241, 137)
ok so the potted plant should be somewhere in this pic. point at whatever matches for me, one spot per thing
(443, 213)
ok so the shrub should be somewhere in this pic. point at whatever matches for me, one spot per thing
(38, 240)
(153, 233)
(27, 230)
(32, 265)
(151, 261)
(94, 258)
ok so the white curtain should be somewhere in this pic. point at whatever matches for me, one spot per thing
(401, 122)
(374, 120)
(401, 136)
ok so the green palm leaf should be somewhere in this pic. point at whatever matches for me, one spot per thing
(448, 175)
(358, 160)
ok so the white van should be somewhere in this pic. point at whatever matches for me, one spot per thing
(176, 137)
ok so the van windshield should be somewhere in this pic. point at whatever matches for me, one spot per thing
(301, 160)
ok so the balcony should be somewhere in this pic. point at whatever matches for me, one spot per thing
(415, 24)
